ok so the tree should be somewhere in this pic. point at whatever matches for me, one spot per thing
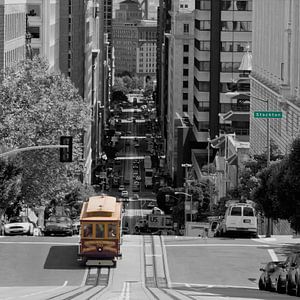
(38, 108)
(161, 198)
(10, 183)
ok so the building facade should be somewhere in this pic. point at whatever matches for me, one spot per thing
(275, 78)
(12, 32)
(146, 50)
(43, 25)
(125, 36)
(223, 31)
(180, 77)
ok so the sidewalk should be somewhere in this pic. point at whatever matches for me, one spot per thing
(279, 239)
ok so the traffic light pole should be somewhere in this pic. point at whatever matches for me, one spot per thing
(31, 148)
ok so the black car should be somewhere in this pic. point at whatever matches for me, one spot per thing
(272, 277)
(56, 225)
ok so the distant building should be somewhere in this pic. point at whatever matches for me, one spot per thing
(134, 40)
(275, 78)
(43, 25)
(12, 32)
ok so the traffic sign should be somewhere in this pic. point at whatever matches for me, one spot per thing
(268, 114)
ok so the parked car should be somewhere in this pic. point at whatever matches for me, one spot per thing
(58, 225)
(270, 275)
(76, 227)
(135, 196)
(136, 188)
(19, 225)
(124, 194)
(292, 265)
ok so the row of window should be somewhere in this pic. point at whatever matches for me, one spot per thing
(205, 25)
(204, 86)
(225, 46)
(241, 5)
(232, 67)
(100, 230)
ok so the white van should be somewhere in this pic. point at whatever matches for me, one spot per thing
(239, 218)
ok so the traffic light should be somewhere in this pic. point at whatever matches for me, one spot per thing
(66, 153)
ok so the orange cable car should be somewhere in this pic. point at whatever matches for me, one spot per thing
(100, 233)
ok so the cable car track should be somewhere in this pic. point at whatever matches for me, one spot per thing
(96, 281)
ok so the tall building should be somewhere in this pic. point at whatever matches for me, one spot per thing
(180, 77)
(146, 49)
(43, 25)
(162, 60)
(108, 16)
(12, 31)
(275, 78)
(223, 31)
(81, 58)
(125, 36)
(134, 40)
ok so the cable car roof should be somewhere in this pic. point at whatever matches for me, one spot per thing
(101, 208)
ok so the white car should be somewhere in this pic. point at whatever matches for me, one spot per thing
(19, 225)
(124, 194)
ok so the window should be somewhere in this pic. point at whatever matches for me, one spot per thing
(186, 28)
(203, 4)
(203, 86)
(227, 5)
(185, 72)
(236, 26)
(204, 66)
(236, 211)
(35, 32)
(100, 231)
(185, 108)
(185, 48)
(202, 25)
(88, 230)
(185, 84)
(185, 96)
(112, 230)
(185, 60)
(248, 212)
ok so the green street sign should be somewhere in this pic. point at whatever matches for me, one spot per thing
(268, 114)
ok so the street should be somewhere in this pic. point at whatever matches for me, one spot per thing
(152, 267)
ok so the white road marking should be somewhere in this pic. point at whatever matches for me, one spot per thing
(273, 255)
(187, 285)
(213, 285)
(165, 259)
(215, 245)
(125, 291)
(84, 277)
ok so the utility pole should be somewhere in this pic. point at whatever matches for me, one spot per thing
(186, 166)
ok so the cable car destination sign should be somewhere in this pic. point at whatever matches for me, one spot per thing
(268, 114)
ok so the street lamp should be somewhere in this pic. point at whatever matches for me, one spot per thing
(191, 208)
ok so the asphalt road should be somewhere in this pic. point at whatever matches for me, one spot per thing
(183, 268)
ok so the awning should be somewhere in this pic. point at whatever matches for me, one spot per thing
(217, 142)
(236, 116)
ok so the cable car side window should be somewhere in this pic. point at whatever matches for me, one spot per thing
(236, 211)
(112, 230)
(100, 231)
(88, 230)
